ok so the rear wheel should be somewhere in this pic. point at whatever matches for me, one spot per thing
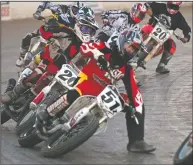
(60, 143)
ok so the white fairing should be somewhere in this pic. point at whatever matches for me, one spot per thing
(160, 33)
(66, 76)
(109, 100)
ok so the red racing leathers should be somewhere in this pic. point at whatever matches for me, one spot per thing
(98, 79)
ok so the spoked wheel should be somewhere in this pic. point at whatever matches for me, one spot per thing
(63, 142)
(184, 153)
(25, 122)
(28, 137)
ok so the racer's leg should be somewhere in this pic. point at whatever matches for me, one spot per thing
(135, 131)
(169, 50)
(25, 43)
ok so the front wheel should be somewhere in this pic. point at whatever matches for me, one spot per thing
(61, 143)
(28, 137)
(184, 153)
(4, 116)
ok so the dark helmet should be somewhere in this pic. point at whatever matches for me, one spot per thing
(173, 7)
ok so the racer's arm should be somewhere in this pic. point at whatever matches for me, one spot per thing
(183, 25)
(49, 33)
(55, 8)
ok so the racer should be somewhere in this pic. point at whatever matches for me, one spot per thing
(119, 20)
(53, 57)
(171, 15)
(115, 54)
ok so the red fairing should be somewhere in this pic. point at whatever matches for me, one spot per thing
(44, 34)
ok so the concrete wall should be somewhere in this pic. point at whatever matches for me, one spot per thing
(21, 10)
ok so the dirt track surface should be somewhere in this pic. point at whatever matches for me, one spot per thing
(168, 100)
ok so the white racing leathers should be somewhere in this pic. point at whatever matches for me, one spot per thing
(118, 20)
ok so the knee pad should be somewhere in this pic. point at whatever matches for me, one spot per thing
(33, 77)
(26, 40)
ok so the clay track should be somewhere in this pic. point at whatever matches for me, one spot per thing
(168, 100)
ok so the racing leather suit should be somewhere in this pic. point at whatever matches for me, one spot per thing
(173, 21)
(97, 79)
(117, 21)
(60, 11)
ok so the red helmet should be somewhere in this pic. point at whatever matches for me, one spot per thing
(138, 12)
(173, 7)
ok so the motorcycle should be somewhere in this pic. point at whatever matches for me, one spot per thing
(155, 40)
(68, 130)
(184, 153)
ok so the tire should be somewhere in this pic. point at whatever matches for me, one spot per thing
(24, 123)
(29, 138)
(184, 160)
(4, 116)
(74, 141)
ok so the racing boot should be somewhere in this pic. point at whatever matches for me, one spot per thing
(14, 94)
(166, 56)
(20, 60)
(11, 84)
(136, 133)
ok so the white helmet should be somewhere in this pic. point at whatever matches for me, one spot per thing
(85, 28)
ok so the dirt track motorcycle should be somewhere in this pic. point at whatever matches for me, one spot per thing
(69, 129)
(155, 40)
(183, 155)
(20, 107)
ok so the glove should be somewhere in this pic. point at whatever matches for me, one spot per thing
(37, 15)
(102, 63)
(105, 21)
(184, 40)
(117, 74)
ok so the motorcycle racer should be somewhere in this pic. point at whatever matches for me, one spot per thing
(53, 57)
(115, 54)
(64, 14)
(171, 15)
(119, 20)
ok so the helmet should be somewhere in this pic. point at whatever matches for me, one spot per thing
(73, 10)
(85, 28)
(173, 7)
(86, 11)
(138, 12)
(127, 41)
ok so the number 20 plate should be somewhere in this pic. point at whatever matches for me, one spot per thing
(66, 75)
(160, 34)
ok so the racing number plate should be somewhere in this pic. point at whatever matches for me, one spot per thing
(160, 34)
(66, 75)
(109, 99)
